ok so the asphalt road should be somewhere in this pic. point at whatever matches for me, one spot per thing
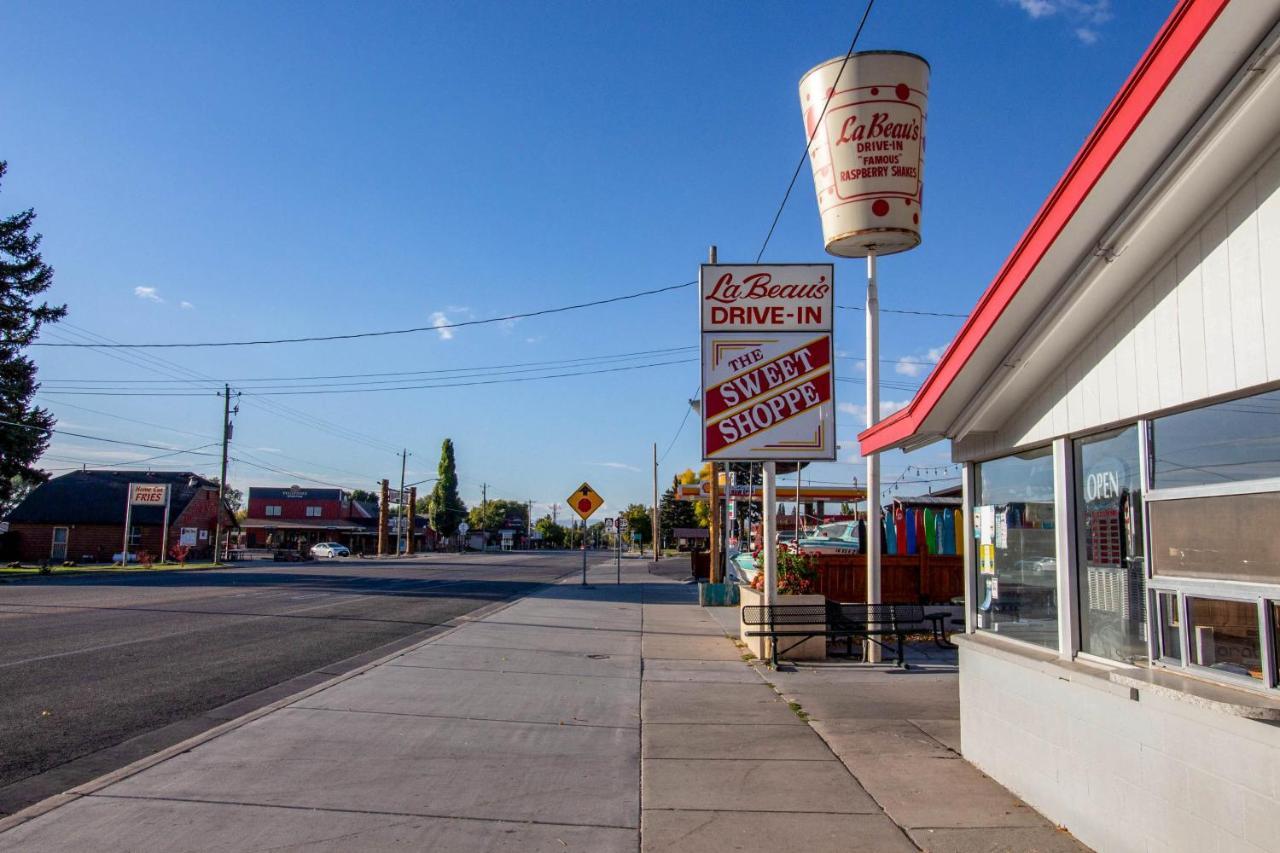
(96, 672)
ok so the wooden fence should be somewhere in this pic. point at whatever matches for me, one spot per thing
(904, 579)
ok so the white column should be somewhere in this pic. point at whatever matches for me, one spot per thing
(1064, 523)
(873, 651)
(970, 559)
(769, 523)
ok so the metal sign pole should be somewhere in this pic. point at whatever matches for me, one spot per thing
(584, 552)
(872, 651)
(128, 522)
(770, 523)
(164, 535)
(617, 540)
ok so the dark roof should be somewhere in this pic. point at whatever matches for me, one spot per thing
(98, 497)
(294, 492)
(369, 508)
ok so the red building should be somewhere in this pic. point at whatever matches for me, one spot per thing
(80, 516)
(296, 518)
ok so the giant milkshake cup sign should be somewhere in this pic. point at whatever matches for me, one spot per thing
(868, 153)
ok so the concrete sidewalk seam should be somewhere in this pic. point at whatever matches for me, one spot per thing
(332, 810)
(133, 768)
(558, 724)
(514, 671)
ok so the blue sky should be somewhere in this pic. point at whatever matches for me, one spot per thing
(236, 170)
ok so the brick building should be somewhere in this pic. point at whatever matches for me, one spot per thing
(297, 518)
(80, 516)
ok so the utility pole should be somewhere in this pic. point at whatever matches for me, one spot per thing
(657, 531)
(713, 572)
(410, 546)
(484, 496)
(404, 460)
(222, 479)
(555, 513)
(528, 525)
(384, 515)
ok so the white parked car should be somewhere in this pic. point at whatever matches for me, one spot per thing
(330, 549)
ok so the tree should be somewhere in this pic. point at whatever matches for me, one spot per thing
(552, 533)
(447, 508)
(495, 514)
(673, 513)
(24, 428)
(364, 496)
(233, 496)
(638, 521)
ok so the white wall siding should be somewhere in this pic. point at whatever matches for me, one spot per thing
(1207, 322)
(1158, 774)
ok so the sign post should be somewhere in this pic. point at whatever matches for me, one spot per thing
(864, 116)
(584, 501)
(767, 374)
(143, 494)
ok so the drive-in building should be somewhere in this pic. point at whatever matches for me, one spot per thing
(1115, 400)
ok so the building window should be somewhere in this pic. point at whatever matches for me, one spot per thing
(1224, 636)
(1112, 577)
(273, 511)
(1217, 537)
(1228, 442)
(1170, 627)
(1017, 582)
(313, 512)
(1211, 508)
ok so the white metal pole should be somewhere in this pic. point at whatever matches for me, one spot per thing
(164, 534)
(128, 522)
(769, 521)
(872, 651)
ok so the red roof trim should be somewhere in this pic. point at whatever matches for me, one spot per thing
(1184, 29)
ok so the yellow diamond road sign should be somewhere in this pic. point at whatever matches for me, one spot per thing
(584, 501)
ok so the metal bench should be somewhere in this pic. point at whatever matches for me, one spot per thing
(848, 621)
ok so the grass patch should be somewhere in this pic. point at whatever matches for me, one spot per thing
(748, 657)
(29, 571)
(798, 711)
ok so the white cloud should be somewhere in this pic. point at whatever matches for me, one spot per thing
(1037, 8)
(185, 305)
(148, 293)
(534, 340)
(441, 321)
(267, 450)
(1083, 16)
(918, 365)
(887, 407)
(621, 465)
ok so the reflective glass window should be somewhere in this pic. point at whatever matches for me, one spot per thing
(1226, 442)
(1224, 636)
(1113, 576)
(1016, 553)
(1170, 627)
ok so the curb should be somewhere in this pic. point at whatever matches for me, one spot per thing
(133, 768)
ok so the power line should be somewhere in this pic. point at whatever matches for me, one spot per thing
(96, 437)
(384, 332)
(816, 125)
(516, 367)
(905, 311)
(260, 394)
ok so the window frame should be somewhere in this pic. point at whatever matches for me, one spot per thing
(972, 574)
(273, 510)
(1262, 595)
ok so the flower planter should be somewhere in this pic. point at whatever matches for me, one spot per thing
(814, 648)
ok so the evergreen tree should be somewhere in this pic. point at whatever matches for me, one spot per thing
(447, 508)
(24, 428)
(673, 513)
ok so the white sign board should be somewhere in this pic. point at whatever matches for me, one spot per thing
(187, 536)
(767, 362)
(147, 494)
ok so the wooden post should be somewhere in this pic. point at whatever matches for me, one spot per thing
(384, 510)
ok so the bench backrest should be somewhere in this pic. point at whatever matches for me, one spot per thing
(784, 614)
(862, 614)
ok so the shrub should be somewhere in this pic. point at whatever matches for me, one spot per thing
(179, 553)
(796, 575)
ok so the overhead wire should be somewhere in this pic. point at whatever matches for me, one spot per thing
(813, 134)
(438, 327)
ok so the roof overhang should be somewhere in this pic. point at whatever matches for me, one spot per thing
(1199, 94)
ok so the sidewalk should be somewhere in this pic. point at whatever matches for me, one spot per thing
(599, 719)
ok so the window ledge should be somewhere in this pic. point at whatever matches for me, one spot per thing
(1123, 680)
(1238, 702)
